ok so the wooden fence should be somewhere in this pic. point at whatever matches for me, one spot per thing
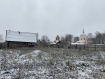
(80, 47)
(3, 45)
(88, 47)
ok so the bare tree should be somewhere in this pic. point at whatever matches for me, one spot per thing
(90, 35)
(76, 39)
(103, 38)
(98, 38)
(45, 41)
(37, 35)
(1, 37)
(68, 38)
(97, 32)
(62, 39)
(93, 40)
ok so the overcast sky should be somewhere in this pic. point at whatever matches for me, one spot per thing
(52, 17)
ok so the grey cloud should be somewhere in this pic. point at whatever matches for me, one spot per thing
(52, 17)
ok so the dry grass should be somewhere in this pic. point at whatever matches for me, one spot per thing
(53, 62)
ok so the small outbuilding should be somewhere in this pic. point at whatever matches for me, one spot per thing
(20, 39)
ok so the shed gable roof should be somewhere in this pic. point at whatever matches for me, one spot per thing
(20, 36)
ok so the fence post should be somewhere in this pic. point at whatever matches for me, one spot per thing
(87, 47)
(0, 45)
(84, 46)
(95, 47)
(76, 46)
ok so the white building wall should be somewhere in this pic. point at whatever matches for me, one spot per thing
(20, 36)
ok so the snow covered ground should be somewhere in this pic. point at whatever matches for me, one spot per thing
(51, 63)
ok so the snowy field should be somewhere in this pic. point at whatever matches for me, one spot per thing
(51, 63)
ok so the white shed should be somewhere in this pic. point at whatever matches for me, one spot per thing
(18, 38)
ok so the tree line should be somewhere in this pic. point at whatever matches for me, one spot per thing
(97, 38)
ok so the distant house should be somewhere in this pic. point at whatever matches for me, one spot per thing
(56, 43)
(57, 39)
(20, 39)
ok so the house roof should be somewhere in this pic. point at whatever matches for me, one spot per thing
(52, 43)
(20, 36)
(77, 43)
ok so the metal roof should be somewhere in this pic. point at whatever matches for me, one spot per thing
(83, 35)
(20, 36)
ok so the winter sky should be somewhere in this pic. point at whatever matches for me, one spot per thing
(52, 17)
